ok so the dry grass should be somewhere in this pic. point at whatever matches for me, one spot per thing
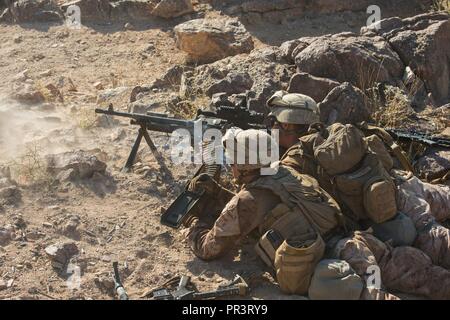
(367, 80)
(441, 5)
(86, 118)
(397, 110)
(30, 168)
(194, 98)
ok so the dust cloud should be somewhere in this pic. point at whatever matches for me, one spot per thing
(44, 129)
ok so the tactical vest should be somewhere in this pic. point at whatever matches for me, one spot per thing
(292, 233)
(305, 207)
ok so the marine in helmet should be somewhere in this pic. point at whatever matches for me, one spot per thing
(420, 202)
(291, 213)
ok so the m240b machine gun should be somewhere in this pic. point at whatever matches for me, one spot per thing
(222, 118)
(419, 137)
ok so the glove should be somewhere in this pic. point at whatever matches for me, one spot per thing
(204, 183)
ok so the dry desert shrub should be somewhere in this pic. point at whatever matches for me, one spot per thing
(441, 5)
(30, 167)
(86, 118)
(395, 112)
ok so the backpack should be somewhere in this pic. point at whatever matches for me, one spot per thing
(359, 178)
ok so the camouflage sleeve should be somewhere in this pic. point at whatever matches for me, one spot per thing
(234, 222)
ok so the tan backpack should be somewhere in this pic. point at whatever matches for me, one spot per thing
(359, 177)
(342, 150)
(293, 231)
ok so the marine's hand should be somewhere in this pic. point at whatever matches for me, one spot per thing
(204, 183)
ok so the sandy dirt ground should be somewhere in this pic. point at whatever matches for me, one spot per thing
(118, 214)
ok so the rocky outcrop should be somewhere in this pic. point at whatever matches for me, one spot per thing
(344, 104)
(434, 164)
(423, 44)
(94, 10)
(276, 11)
(360, 60)
(208, 40)
(74, 165)
(315, 87)
(31, 10)
(172, 8)
(27, 93)
(256, 75)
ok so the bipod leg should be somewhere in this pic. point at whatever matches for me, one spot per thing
(133, 152)
(156, 153)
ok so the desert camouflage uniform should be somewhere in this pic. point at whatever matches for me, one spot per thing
(404, 269)
(242, 214)
(251, 208)
(424, 203)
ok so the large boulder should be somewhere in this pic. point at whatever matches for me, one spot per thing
(360, 60)
(258, 75)
(91, 9)
(434, 164)
(27, 93)
(172, 8)
(344, 104)
(31, 10)
(232, 83)
(315, 87)
(74, 165)
(208, 40)
(423, 43)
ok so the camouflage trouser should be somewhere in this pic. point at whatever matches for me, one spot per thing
(436, 195)
(432, 238)
(403, 269)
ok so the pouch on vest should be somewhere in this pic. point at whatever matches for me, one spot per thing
(295, 261)
(377, 146)
(369, 191)
(342, 150)
(268, 245)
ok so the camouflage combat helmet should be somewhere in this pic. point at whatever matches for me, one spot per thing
(293, 108)
(248, 141)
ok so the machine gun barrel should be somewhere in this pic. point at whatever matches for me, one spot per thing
(419, 137)
(154, 122)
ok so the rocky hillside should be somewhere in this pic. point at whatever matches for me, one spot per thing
(66, 209)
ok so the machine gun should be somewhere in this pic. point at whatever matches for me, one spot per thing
(420, 137)
(222, 118)
(237, 287)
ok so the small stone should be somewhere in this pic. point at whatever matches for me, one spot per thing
(106, 258)
(150, 48)
(128, 26)
(17, 39)
(22, 76)
(98, 85)
(60, 253)
(47, 225)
